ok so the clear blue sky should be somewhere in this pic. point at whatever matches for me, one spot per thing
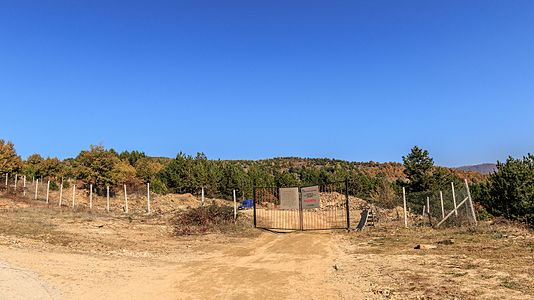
(354, 80)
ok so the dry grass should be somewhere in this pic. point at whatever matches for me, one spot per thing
(488, 261)
(29, 224)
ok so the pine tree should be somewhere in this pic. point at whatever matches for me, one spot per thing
(418, 168)
(510, 190)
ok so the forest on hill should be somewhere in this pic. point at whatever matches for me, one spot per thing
(379, 182)
(188, 174)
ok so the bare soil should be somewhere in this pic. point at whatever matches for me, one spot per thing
(47, 252)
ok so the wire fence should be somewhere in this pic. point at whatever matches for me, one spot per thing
(452, 205)
(427, 208)
(131, 199)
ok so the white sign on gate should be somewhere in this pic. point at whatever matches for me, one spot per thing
(289, 198)
(310, 197)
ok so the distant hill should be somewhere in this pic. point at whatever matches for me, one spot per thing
(390, 170)
(481, 168)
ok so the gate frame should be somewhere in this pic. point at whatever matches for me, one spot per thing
(301, 216)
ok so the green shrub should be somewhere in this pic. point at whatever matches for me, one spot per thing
(510, 190)
(54, 186)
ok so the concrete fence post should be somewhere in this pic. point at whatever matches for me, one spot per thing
(405, 212)
(454, 199)
(47, 191)
(471, 202)
(125, 199)
(442, 207)
(73, 194)
(36, 188)
(235, 207)
(61, 192)
(107, 198)
(148, 197)
(91, 196)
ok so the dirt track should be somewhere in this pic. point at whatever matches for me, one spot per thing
(91, 255)
(271, 266)
(51, 253)
(19, 284)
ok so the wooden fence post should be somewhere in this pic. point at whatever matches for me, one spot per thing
(91, 196)
(73, 194)
(47, 191)
(148, 197)
(202, 201)
(7, 176)
(36, 188)
(405, 213)
(235, 207)
(428, 205)
(125, 199)
(450, 213)
(107, 198)
(16, 178)
(442, 207)
(61, 192)
(471, 202)
(454, 199)
(24, 186)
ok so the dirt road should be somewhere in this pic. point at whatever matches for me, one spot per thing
(271, 266)
(50, 253)
(296, 265)
(20, 284)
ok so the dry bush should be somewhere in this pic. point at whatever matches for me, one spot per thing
(212, 218)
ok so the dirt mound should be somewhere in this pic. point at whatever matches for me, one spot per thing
(80, 198)
(356, 205)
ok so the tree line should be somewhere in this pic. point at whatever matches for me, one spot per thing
(508, 192)
(101, 167)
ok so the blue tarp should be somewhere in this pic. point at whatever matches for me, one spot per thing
(245, 204)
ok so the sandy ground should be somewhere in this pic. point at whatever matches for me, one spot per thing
(67, 255)
(270, 266)
(21, 284)
(52, 253)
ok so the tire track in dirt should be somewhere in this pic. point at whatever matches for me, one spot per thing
(273, 266)
(21, 284)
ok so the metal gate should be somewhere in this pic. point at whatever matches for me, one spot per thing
(274, 209)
